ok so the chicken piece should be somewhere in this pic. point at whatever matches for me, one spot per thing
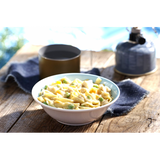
(53, 89)
(70, 89)
(83, 90)
(105, 95)
(107, 89)
(79, 99)
(105, 102)
(87, 84)
(101, 89)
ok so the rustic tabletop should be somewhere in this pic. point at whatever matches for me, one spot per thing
(20, 113)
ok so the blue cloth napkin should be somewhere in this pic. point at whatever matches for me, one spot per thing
(26, 74)
(130, 95)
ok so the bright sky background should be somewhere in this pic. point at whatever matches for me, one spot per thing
(84, 36)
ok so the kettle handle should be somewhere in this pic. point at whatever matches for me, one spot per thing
(155, 31)
(152, 25)
(137, 26)
(127, 29)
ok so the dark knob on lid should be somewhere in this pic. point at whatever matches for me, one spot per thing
(140, 39)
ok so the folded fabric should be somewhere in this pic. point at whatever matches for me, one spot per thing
(130, 95)
(26, 75)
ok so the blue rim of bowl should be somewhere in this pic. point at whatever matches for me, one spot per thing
(69, 110)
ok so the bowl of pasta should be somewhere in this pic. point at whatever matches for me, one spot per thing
(75, 98)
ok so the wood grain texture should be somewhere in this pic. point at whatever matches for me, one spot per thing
(44, 123)
(36, 120)
(14, 101)
(20, 113)
(12, 108)
(145, 116)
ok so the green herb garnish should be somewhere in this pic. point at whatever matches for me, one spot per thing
(64, 81)
(101, 99)
(89, 97)
(96, 86)
(45, 103)
(45, 87)
(70, 106)
(67, 94)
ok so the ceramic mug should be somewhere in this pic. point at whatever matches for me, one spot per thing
(58, 58)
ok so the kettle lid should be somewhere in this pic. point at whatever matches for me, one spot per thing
(136, 35)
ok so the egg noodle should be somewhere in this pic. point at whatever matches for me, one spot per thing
(76, 94)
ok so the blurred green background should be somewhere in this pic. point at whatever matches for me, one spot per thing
(11, 39)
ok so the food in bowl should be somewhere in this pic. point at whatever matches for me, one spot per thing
(76, 94)
(75, 117)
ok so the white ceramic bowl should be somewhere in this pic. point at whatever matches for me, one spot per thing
(75, 117)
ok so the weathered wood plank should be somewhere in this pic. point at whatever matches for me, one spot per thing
(11, 97)
(100, 59)
(108, 70)
(34, 119)
(89, 128)
(145, 116)
(85, 61)
(14, 101)
(12, 108)
(19, 113)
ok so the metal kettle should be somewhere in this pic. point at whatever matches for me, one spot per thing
(137, 56)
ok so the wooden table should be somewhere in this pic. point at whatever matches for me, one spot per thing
(20, 113)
